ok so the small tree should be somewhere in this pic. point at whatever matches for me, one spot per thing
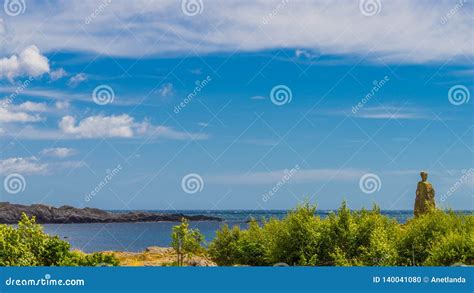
(186, 242)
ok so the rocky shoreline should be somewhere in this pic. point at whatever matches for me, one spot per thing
(11, 214)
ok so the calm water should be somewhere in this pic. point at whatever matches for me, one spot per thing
(137, 236)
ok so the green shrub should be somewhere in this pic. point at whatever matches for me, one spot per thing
(424, 236)
(452, 249)
(185, 241)
(28, 245)
(295, 239)
(358, 238)
(348, 238)
(224, 249)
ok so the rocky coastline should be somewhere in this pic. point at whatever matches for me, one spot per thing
(11, 213)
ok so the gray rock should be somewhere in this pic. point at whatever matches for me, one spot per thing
(11, 214)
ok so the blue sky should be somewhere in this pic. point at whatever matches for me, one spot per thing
(251, 106)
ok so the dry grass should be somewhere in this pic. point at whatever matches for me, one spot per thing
(157, 256)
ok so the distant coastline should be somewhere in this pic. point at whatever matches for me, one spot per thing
(11, 213)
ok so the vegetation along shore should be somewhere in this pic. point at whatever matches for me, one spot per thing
(344, 238)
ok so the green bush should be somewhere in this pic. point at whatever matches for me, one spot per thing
(186, 242)
(437, 238)
(224, 249)
(28, 245)
(348, 238)
(295, 239)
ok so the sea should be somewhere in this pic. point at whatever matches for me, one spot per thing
(135, 237)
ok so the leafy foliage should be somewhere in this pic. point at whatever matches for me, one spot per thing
(348, 238)
(185, 241)
(28, 245)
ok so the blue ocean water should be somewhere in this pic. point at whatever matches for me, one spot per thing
(135, 237)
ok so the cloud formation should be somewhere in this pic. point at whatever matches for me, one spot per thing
(24, 166)
(29, 62)
(120, 126)
(59, 152)
(403, 31)
(9, 116)
(77, 79)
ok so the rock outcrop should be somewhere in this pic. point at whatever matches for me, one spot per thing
(11, 214)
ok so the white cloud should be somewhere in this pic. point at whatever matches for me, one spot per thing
(57, 74)
(325, 26)
(120, 126)
(32, 166)
(29, 106)
(99, 126)
(258, 98)
(77, 79)
(61, 105)
(390, 112)
(30, 62)
(166, 90)
(299, 176)
(305, 54)
(59, 152)
(7, 116)
(23, 166)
